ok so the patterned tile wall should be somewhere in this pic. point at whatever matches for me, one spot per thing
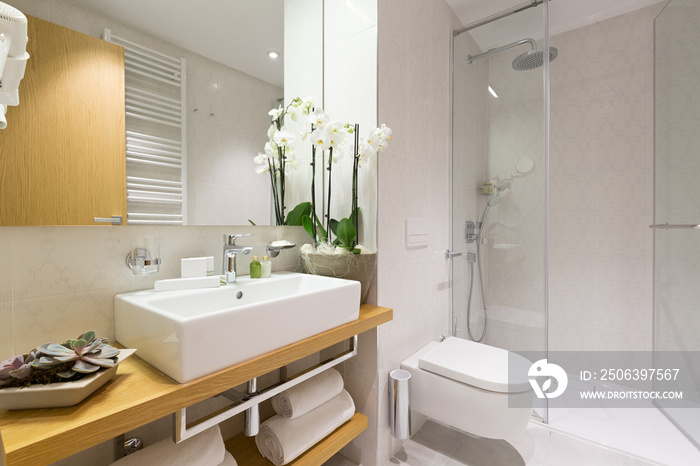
(57, 282)
(414, 59)
(602, 185)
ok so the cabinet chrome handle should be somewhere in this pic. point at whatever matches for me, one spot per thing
(114, 219)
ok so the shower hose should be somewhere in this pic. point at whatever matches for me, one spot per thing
(471, 288)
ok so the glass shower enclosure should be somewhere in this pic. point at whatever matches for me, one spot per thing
(499, 182)
(677, 200)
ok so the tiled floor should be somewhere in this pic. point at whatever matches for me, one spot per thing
(437, 445)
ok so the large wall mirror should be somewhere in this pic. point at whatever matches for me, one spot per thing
(231, 84)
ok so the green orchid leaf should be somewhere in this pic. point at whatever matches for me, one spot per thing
(298, 213)
(321, 230)
(334, 226)
(308, 226)
(346, 233)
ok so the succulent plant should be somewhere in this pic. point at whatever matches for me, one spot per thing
(17, 367)
(52, 362)
(86, 353)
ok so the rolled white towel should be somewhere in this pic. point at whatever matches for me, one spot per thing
(205, 449)
(308, 395)
(229, 460)
(281, 440)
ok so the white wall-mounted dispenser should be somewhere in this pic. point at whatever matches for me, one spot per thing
(13, 56)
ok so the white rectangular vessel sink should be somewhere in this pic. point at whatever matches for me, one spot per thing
(191, 333)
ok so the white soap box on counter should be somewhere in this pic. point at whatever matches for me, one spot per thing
(191, 267)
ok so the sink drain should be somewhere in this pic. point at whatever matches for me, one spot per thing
(239, 295)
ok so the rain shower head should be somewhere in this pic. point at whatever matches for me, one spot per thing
(526, 61)
(533, 59)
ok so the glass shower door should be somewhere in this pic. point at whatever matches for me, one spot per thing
(499, 174)
(677, 201)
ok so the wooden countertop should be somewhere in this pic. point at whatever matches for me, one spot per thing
(140, 394)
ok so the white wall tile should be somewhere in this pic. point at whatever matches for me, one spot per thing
(6, 336)
(414, 40)
(56, 260)
(600, 148)
(57, 318)
(6, 234)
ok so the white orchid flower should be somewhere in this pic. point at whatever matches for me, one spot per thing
(365, 152)
(292, 163)
(271, 150)
(320, 139)
(318, 118)
(384, 132)
(308, 101)
(284, 138)
(293, 111)
(336, 132)
(261, 163)
(338, 153)
(373, 140)
(271, 131)
(275, 113)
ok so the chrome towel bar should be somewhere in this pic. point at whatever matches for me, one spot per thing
(184, 431)
(670, 226)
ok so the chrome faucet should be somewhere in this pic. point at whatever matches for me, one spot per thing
(231, 250)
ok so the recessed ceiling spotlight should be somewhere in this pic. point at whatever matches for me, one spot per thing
(273, 54)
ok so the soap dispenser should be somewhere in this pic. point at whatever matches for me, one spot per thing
(255, 268)
(266, 266)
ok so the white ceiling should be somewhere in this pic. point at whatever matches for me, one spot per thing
(237, 33)
(564, 15)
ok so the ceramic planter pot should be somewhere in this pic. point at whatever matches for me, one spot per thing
(60, 394)
(358, 267)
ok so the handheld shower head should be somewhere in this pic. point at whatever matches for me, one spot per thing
(493, 201)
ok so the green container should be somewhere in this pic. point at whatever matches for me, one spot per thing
(255, 268)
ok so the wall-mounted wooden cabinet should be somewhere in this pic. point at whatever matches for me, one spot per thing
(62, 155)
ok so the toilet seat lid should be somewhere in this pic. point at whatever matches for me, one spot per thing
(476, 364)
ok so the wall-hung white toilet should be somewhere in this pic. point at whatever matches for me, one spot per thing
(466, 385)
